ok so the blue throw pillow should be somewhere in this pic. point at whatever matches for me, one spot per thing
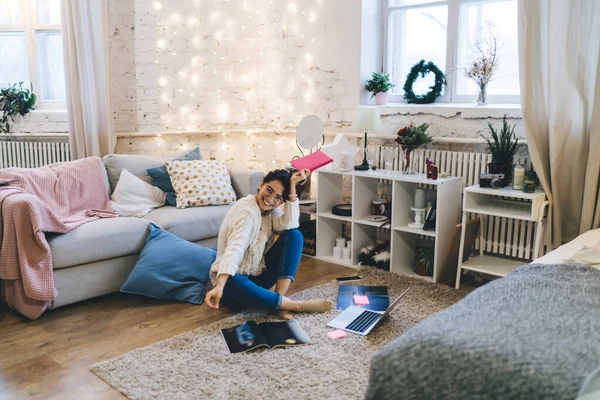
(171, 268)
(160, 175)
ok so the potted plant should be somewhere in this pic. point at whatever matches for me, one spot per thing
(14, 100)
(503, 145)
(378, 86)
(423, 262)
(410, 138)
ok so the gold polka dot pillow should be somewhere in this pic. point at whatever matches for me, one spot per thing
(201, 183)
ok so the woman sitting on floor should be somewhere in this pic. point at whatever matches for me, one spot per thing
(248, 263)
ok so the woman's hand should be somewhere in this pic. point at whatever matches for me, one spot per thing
(213, 297)
(299, 177)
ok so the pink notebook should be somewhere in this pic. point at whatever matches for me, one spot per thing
(312, 161)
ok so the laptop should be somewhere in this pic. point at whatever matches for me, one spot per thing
(361, 321)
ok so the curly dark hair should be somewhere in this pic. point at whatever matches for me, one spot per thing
(282, 176)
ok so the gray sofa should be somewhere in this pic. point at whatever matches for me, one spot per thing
(96, 258)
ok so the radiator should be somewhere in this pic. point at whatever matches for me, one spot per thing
(29, 154)
(505, 236)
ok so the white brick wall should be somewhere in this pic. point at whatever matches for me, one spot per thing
(239, 63)
(261, 151)
(38, 122)
(251, 44)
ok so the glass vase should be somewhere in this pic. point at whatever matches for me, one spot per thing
(482, 94)
(406, 168)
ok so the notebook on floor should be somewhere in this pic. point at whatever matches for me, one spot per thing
(361, 321)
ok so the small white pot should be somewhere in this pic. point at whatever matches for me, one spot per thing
(381, 98)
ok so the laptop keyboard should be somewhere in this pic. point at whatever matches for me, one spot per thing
(364, 321)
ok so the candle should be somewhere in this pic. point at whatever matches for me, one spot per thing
(518, 177)
(345, 253)
(419, 198)
(529, 182)
(337, 252)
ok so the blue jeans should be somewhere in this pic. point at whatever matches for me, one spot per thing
(243, 292)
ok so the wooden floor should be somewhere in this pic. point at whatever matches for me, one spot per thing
(50, 358)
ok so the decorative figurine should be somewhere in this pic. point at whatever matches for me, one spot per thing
(432, 169)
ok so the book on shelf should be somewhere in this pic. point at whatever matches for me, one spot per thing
(378, 298)
(250, 336)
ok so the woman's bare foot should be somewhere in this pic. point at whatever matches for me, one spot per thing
(316, 305)
(286, 315)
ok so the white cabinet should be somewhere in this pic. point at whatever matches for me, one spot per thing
(446, 192)
(507, 203)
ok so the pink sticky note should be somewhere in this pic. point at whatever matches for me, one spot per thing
(337, 334)
(361, 300)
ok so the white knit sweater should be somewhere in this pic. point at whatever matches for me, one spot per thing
(246, 235)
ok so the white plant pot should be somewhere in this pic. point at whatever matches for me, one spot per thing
(381, 98)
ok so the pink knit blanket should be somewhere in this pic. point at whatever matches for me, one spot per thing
(55, 198)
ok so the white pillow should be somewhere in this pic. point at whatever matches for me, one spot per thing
(135, 198)
(201, 183)
(589, 256)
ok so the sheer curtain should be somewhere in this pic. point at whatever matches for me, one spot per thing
(87, 69)
(559, 70)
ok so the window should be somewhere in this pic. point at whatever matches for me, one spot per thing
(446, 32)
(31, 49)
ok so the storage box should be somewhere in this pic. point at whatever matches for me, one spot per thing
(309, 231)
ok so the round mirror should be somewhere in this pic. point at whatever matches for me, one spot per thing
(309, 132)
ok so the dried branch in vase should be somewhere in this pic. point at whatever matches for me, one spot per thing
(483, 68)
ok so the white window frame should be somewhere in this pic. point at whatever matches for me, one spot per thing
(452, 39)
(29, 25)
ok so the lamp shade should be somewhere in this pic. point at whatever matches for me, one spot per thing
(367, 119)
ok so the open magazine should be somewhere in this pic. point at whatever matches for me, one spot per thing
(250, 335)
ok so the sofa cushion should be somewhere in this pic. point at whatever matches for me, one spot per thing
(135, 198)
(201, 183)
(136, 164)
(193, 224)
(98, 240)
(160, 175)
(171, 268)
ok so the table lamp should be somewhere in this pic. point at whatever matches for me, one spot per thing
(367, 121)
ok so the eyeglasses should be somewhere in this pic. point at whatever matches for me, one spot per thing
(271, 192)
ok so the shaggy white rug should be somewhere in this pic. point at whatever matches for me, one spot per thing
(197, 364)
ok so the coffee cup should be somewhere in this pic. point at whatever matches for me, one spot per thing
(379, 207)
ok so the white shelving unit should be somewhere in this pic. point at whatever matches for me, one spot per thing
(404, 240)
(507, 203)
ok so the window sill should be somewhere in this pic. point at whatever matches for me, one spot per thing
(48, 111)
(448, 110)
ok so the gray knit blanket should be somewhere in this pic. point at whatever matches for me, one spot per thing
(534, 334)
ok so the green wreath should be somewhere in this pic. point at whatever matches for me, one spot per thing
(422, 69)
